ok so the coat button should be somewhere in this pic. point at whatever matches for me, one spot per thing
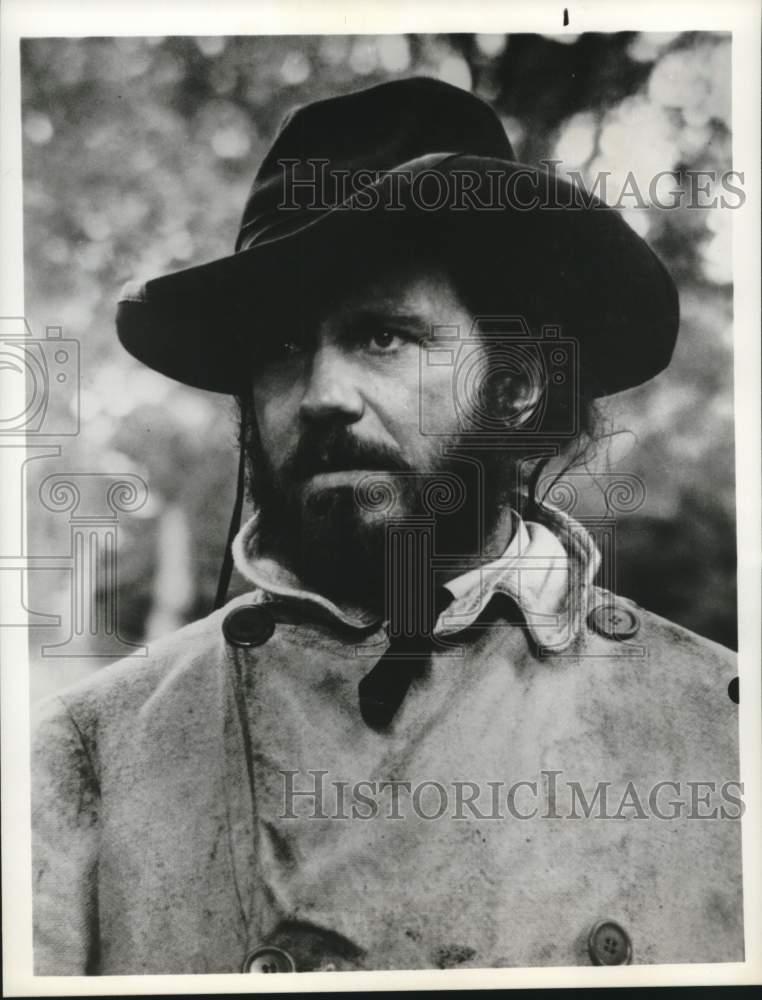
(609, 944)
(614, 621)
(248, 626)
(268, 959)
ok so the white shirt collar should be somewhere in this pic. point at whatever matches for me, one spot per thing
(547, 570)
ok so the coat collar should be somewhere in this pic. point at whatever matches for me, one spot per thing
(547, 570)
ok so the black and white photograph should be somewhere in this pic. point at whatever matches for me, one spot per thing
(381, 535)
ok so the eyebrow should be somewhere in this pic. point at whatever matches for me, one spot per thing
(380, 315)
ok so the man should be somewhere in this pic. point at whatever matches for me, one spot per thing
(424, 738)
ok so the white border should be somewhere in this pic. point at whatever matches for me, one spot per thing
(50, 18)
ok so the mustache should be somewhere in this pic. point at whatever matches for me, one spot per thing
(337, 449)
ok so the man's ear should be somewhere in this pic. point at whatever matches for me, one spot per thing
(514, 391)
(525, 393)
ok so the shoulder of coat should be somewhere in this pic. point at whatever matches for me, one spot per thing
(125, 685)
(615, 619)
(658, 670)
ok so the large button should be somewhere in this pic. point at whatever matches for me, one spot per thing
(248, 626)
(614, 620)
(268, 959)
(609, 944)
(316, 949)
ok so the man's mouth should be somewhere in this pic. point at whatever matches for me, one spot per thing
(338, 458)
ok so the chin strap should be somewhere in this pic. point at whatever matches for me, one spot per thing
(532, 500)
(235, 523)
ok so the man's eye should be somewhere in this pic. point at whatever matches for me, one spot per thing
(383, 340)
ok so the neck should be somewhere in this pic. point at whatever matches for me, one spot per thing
(359, 572)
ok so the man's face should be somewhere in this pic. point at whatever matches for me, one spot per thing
(338, 398)
(356, 376)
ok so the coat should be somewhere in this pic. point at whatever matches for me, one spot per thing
(221, 806)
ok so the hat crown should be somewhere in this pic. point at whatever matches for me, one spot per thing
(376, 129)
(389, 124)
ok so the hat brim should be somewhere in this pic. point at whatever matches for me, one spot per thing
(578, 264)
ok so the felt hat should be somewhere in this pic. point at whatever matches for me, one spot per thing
(411, 163)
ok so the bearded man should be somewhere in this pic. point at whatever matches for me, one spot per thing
(365, 761)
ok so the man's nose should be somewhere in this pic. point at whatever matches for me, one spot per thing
(331, 391)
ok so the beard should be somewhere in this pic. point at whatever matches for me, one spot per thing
(337, 535)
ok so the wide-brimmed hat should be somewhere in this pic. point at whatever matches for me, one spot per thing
(418, 163)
